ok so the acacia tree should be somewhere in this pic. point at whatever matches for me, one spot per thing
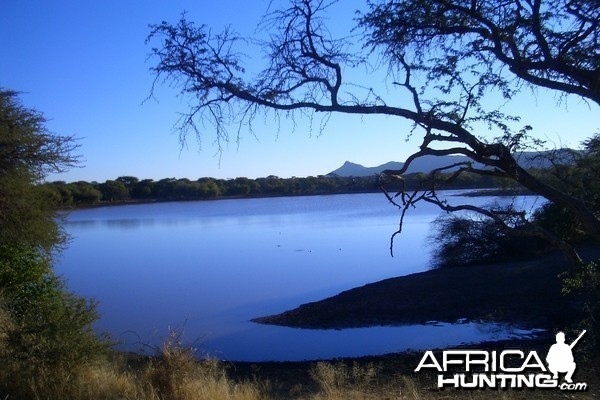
(463, 51)
(28, 152)
(43, 327)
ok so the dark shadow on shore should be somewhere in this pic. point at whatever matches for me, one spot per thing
(526, 293)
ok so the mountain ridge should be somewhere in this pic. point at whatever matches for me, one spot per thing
(423, 164)
(426, 164)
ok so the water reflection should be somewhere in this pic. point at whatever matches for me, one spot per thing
(212, 266)
(253, 342)
(289, 344)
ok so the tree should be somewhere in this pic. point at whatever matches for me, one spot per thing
(459, 240)
(209, 188)
(85, 193)
(470, 48)
(44, 327)
(546, 43)
(28, 151)
(114, 190)
(579, 177)
(143, 189)
(129, 181)
(463, 51)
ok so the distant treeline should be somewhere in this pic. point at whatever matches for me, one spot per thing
(132, 189)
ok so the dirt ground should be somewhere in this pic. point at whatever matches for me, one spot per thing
(525, 293)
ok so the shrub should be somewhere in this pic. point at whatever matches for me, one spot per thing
(463, 240)
(46, 329)
(560, 222)
(176, 374)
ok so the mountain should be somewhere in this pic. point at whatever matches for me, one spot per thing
(423, 164)
(352, 169)
(531, 159)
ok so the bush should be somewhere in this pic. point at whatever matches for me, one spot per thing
(560, 222)
(46, 332)
(45, 328)
(177, 375)
(462, 240)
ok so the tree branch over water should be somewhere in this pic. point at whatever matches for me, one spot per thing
(463, 53)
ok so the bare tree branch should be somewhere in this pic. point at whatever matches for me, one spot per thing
(462, 50)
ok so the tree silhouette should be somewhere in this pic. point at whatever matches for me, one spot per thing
(462, 51)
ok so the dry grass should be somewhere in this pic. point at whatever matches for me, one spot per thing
(173, 375)
(340, 381)
(104, 382)
(177, 375)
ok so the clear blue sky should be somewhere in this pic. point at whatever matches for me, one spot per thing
(83, 64)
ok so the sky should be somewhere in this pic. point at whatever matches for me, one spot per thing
(84, 64)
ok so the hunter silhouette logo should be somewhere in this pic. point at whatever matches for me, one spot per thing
(506, 369)
(560, 357)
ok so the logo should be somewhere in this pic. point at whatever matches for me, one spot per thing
(507, 369)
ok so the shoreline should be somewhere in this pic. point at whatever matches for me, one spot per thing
(469, 192)
(524, 293)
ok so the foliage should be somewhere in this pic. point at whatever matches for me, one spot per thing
(586, 280)
(114, 190)
(467, 57)
(560, 222)
(27, 152)
(81, 193)
(462, 240)
(341, 381)
(465, 239)
(26, 146)
(546, 43)
(44, 327)
(579, 177)
(177, 374)
(579, 171)
(465, 51)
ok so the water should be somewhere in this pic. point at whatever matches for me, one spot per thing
(207, 268)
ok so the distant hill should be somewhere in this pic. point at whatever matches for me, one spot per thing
(352, 169)
(423, 164)
(533, 159)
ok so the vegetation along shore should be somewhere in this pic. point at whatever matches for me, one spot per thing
(456, 76)
(131, 190)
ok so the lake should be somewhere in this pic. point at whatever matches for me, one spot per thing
(206, 268)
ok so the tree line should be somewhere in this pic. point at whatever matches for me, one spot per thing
(132, 189)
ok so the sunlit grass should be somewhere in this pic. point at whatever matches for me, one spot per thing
(176, 374)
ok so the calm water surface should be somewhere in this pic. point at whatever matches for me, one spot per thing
(208, 267)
